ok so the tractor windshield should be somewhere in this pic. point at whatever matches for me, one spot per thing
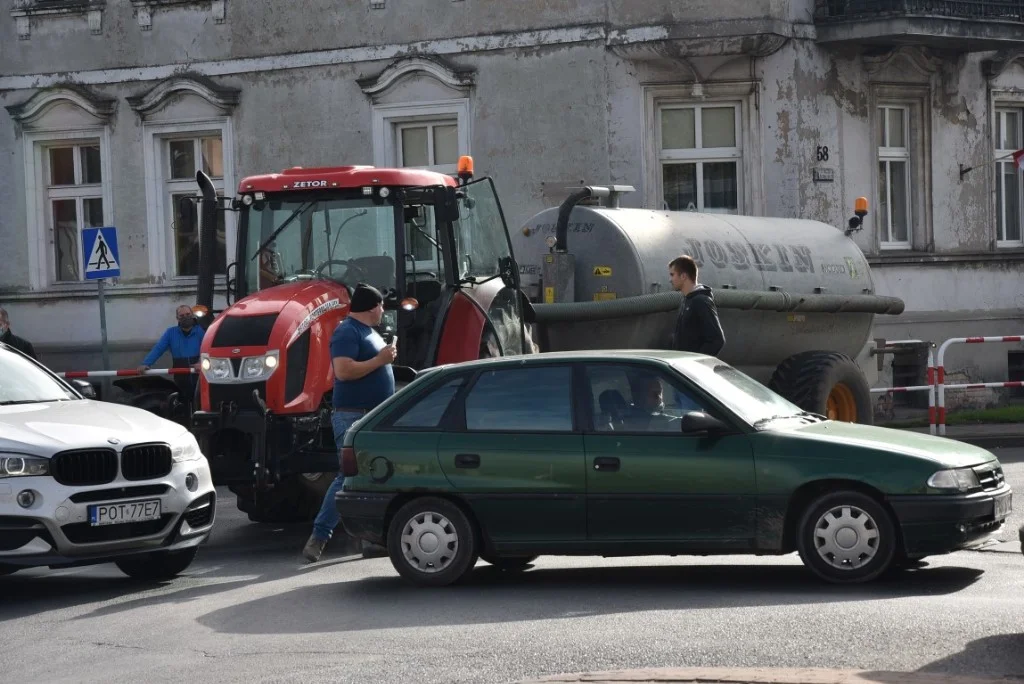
(347, 240)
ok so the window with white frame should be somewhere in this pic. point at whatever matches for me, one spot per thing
(895, 213)
(1009, 180)
(434, 145)
(73, 179)
(700, 157)
(181, 156)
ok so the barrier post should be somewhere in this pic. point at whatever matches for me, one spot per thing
(941, 372)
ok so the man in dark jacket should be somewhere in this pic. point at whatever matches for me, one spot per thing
(697, 327)
(9, 338)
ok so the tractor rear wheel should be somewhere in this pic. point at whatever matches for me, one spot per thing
(825, 382)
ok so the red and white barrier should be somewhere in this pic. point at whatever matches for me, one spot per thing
(125, 373)
(940, 379)
(930, 387)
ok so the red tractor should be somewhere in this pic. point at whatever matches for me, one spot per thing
(437, 247)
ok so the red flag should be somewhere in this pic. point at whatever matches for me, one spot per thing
(1018, 159)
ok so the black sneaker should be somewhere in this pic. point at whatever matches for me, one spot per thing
(313, 548)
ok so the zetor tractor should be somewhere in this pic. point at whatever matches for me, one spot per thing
(436, 247)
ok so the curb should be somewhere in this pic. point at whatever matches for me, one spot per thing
(764, 675)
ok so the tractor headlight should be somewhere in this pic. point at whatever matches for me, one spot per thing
(260, 367)
(185, 448)
(215, 370)
(958, 479)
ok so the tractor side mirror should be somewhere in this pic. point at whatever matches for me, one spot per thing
(446, 206)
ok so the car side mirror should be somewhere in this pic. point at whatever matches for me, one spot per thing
(697, 422)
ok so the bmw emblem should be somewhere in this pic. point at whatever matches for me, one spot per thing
(113, 440)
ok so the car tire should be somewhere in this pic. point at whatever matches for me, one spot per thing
(431, 542)
(846, 537)
(160, 565)
(510, 563)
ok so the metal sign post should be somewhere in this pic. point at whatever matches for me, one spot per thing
(100, 256)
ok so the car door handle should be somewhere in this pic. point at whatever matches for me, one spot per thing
(606, 463)
(467, 460)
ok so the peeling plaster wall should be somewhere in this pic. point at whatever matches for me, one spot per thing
(540, 116)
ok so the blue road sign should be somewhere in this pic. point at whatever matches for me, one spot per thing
(99, 247)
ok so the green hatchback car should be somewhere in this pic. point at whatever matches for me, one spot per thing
(624, 453)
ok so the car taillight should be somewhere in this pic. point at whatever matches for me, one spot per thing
(349, 467)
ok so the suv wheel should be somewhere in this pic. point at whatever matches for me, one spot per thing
(431, 542)
(161, 565)
(846, 537)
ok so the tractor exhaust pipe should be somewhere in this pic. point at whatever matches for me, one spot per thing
(207, 241)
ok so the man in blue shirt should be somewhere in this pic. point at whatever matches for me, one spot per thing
(363, 378)
(183, 341)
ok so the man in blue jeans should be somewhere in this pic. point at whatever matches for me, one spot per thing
(362, 379)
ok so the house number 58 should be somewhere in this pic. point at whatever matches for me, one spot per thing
(823, 154)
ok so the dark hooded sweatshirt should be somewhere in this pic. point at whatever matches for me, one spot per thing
(697, 326)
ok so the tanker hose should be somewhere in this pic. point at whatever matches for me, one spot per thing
(562, 226)
(747, 300)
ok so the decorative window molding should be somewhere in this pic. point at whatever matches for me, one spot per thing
(745, 153)
(144, 9)
(913, 156)
(225, 99)
(29, 113)
(919, 58)
(25, 11)
(461, 80)
(995, 67)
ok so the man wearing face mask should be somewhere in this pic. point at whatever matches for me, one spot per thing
(10, 339)
(183, 341)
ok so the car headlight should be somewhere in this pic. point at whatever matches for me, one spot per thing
(16, 465)
(185, 448)
(958, 479)
(215, 369)
(260, 367)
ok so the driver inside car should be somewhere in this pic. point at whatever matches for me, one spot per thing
(646, 413)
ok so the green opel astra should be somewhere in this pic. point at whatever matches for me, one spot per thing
(625, 453)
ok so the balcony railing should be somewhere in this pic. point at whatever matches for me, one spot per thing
(997, 10)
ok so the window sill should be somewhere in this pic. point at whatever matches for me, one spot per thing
(25, 10)
(894, 258)
(87, 290)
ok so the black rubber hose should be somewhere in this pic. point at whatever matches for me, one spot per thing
(724, 299)
(562, 225)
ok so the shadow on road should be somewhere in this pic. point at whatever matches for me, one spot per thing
(1000, 656)
(491, 596)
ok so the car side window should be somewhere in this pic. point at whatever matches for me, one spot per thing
(637, 399)
(521, 399)
(428, 410)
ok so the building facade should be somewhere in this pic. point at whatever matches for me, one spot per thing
(785, 108)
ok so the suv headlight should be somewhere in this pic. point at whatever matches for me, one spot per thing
(260, 367)
(958, 479)
(215, 369)
(16, 465)
(185, 448)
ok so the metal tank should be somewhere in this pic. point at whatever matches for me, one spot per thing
(783, 286)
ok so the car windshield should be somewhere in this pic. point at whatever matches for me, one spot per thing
(350, 240)
(749, 399)
(23, 382)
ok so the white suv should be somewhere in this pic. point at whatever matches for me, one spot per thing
(85, 482)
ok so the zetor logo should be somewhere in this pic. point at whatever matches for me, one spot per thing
(310, 184)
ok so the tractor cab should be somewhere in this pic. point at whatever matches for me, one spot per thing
(420, 237)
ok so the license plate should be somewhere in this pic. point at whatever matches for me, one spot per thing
(120, 513)
(1003, 507)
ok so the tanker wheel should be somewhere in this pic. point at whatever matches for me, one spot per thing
(824, 382)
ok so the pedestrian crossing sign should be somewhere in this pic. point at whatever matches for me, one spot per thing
(99, 249)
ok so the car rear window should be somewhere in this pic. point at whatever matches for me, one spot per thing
(535, 399)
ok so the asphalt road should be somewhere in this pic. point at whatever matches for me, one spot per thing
(250, 611)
